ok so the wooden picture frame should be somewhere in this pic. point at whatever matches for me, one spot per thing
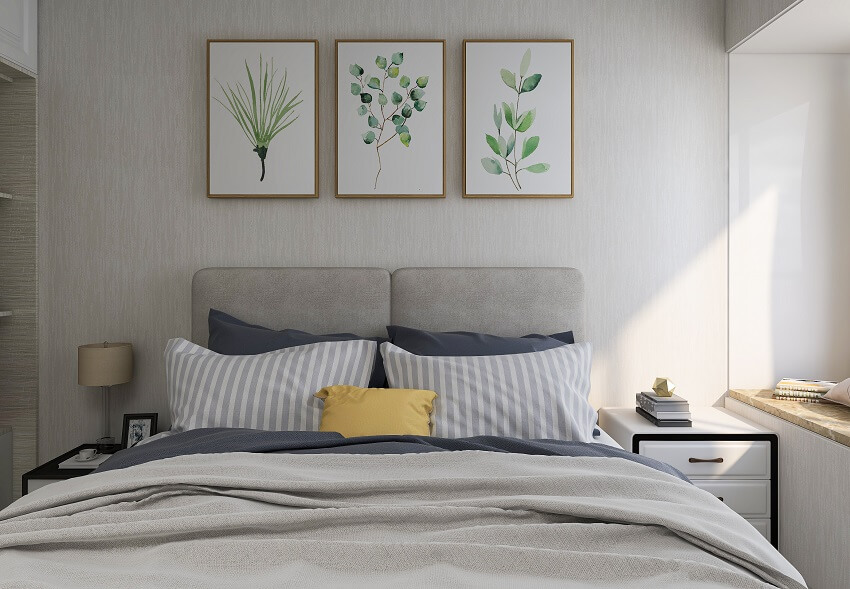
(354, 182)
(143, 426)
(478, 176)
(230, 162)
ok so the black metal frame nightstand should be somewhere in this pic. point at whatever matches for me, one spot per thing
(50, 471)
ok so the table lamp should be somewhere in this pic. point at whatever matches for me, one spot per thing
(104, 365)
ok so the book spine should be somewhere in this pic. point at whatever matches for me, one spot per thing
(796, 393)
(677, 416)
(814, 387)
(798, 399)
(651, 406)
(664, 422)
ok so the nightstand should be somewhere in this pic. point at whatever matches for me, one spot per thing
(50, 472)
(732, 458)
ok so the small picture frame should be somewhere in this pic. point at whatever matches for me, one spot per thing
(137, 427)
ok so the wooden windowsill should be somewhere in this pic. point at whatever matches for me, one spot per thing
(830, 420)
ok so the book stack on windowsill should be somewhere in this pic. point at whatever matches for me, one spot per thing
(796, 389)
(672, 411)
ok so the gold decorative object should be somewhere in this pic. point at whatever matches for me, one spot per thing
(663, 387)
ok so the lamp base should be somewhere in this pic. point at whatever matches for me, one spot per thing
(106, 445)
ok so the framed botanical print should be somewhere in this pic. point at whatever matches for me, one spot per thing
(262, 118)
(518, 118)
(390, 118)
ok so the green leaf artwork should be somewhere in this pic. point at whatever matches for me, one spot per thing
(520, 122)
(265, 111)
(509, 78)
(491, 165)
(394, 120)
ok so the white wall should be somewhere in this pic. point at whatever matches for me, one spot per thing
(790, 212)
(124, 220)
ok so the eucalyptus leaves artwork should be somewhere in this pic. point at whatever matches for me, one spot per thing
(405, 99)
(518, 118)
(390, 118)
(261, 118)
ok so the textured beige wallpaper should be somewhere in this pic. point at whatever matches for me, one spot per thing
(124, 220)
(18, 280)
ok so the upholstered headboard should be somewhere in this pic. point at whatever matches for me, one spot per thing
(501, 301)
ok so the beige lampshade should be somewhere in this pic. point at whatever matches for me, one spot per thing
(105, 364)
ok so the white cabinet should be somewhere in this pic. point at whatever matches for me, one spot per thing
(814, 481)
(19, 34)
(730, 457)
(748, 459)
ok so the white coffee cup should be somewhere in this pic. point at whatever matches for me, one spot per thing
(86, 454)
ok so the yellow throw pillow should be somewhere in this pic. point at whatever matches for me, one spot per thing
(353, 411)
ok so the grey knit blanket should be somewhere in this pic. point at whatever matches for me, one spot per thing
(443, 519)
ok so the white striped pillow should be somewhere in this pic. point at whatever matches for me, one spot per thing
(530, 396)
(272, 391)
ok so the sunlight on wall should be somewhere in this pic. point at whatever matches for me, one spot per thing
(639, 351)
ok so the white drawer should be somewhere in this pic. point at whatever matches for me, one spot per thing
(712, 458)
(34, 484)
(763, 527)
(748, 498)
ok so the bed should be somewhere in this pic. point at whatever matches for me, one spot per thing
(225, 506)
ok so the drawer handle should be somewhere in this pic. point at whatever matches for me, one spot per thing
(717, 460)
(721, 498)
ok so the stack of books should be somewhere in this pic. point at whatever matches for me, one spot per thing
(664, 411)
(797, 389)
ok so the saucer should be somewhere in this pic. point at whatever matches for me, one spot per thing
(78, 459)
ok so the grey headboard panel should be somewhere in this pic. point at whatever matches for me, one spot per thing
(318, 300)
(501, 301)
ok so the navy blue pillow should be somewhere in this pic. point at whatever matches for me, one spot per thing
(466, 343)
(232, 337)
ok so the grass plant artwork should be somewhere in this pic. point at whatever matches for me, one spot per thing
(518, 118)
(389, 118)
(265, 112)
(262, 118)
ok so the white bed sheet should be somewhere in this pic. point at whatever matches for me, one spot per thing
(604, 438)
